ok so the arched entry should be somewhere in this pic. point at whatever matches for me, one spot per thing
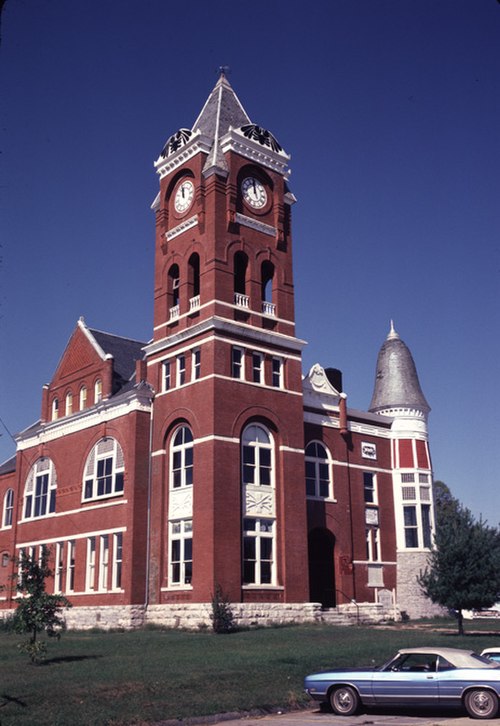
(321, 567)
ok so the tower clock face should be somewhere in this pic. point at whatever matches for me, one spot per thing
(184, 196)
(254, 192)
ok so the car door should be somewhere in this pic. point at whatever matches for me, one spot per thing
(410, 679)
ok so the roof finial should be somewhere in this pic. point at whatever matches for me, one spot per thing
(393, 335)
(224, 71)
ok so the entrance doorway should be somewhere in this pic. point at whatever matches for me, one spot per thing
(321, 567)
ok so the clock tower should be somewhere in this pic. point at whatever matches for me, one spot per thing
(227, 503)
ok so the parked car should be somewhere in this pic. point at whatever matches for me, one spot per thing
(414, 677)
(492, 653)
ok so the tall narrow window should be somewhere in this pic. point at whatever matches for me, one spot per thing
(167, 375)
(410, 524)
(257, 456)
(257, 367)
(98, 391)
(181, 369)
(83, 398)
(240, 275)
(196, 364)
(373, 544)
(69, 404)
(55, 409)
(173, 287)
(104, 470)
(40, 490)
(277, 373)
(90, 572)
(59, 567)
(258, 551)
(318, 470)
(181, 458)
(181, 552)
(267, 275)
(426, 525)
(117, 560)
(70, 566)
(237, 361)
(8, 508)
(369, 487)
(103, 562)
(194, 280)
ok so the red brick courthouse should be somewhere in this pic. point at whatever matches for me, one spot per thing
(205, 457)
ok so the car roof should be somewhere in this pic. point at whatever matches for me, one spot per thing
(445, 652)
(491, 650)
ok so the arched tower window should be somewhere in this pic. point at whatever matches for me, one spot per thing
(173, 287)
(104, 470)
(181, 458)
(257, 456)
(40, 490)
(240, 278)
(194, 281)
(267, 275)
(8, 508)
(318, 471)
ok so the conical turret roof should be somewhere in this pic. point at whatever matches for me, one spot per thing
(396, 378)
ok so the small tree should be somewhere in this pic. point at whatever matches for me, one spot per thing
(222, 613)
(36, 611)
(464, 565)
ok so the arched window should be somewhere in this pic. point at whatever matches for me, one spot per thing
(267, 275)
(8, 508)
(104, 470)
(55, 409)
(69, 403)
(181, 458)
(257, 456)
(98, 391)
(240, 272)
(318, 471)
(40, 490)
(173, 286)
(194, 280)
(83, 398)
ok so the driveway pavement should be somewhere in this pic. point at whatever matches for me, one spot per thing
(316, 717)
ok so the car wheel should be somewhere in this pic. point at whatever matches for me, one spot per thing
(481, 703)
(344, 701)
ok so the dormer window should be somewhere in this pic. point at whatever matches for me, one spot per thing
(83, 398)
(69, 404)
(55, 409)
(98, 391)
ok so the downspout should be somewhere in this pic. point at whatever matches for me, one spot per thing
(148, 521)
(346, 435)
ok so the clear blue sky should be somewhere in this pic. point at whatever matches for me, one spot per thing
(391, 111)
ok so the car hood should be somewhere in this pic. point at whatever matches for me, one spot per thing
(343, 670)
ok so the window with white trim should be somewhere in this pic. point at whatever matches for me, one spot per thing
(69, 404)
(90, 570)
(117, 560)
(55, 409)
(181, 458)
(196, 359)
(98, 391)
(237, 363)
(40, 490)
(257, 367)
(407, 477)
(369, 487)
(425, 511)
(277, 372)
(104, 470)
(8, 509)
(59, 567)
(181, 369)
(258, 551)
(373, 544)
(318, 470)
(410, 526)
(103, 562)
(166, 375)
(181, 552)
(70, 565)
(83, 398)
(257, 455)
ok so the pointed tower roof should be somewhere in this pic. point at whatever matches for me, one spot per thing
(222, 124)
(396, 379)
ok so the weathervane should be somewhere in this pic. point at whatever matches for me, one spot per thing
(224, 71)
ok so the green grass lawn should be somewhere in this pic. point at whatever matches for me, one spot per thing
(153, 675)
